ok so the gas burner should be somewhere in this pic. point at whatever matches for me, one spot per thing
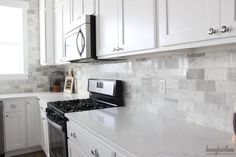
(78, 105)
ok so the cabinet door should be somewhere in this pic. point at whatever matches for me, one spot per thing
(59, 34)
(44, 133)
(77, 10)
(89, 7)
(46, 32)
(33, 117)
(15, 131)
(228, 18)
(42, 27)
(139, 17)
(67, 19)
(188, 20)
(107, 26)
(73, 151)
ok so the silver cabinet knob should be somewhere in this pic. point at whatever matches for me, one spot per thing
(114, 49)
(120, 49)
(224, 29)
(94, 152)
(73, 134)
(212, 31)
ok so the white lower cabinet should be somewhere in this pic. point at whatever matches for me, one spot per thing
(44, 142)
(15, 129)
(32, 113)
(15, 124)
(21, 123)
(86, 145)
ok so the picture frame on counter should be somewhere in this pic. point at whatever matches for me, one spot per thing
(69, 83)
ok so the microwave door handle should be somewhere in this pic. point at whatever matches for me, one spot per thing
(82, 42)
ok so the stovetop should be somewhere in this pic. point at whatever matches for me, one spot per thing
(77, 105)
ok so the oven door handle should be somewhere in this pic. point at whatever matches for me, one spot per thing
(54, 124)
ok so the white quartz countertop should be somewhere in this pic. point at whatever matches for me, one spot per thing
(149, 135)
(44, 96)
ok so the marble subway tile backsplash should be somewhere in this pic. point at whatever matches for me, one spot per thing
(200, 84)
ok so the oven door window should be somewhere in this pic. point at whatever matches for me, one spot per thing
(57, 141)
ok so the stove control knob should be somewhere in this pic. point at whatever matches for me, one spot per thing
(73, 134)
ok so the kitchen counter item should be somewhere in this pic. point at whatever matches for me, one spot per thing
(57, 79)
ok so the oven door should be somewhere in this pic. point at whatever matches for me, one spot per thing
(57, 140)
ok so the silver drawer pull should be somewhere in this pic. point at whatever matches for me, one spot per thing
(94, 152)
(224, 29)
(73, 134)
(212, 31)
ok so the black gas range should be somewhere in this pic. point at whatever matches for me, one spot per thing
(102, 94)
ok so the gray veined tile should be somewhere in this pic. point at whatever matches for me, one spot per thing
(208, 86)
(231, 74)
(215, 74)
(197, 74)
(215, 98)
(171, 63)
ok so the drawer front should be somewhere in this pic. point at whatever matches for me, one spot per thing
(88, 143)
(73, 151)
(31, 101)
(14, 105)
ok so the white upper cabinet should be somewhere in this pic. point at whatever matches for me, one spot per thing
(77, 9)
(188, 21)
(107, 26)
(76, 12)
(89, 7)
(125, 25)
(46, 32)
(228, 18)
(59, 35)
(67, 19)
(72, 11)
(139, 25)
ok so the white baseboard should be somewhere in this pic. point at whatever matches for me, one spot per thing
(23, 151)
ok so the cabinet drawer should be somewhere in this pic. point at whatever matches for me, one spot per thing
(14, 105)
(73, 151)
(87, 142)
(31, 101)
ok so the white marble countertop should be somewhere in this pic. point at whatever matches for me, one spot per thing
(45, 96)
(149, 135)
